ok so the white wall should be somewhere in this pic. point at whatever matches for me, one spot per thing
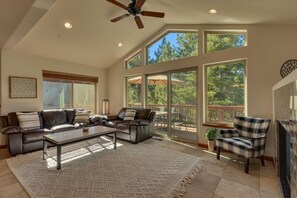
(20, 64)
(269, 46)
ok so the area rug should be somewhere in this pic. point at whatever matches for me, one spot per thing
(92, 169)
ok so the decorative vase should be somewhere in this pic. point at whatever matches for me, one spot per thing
(85, 129)
(211, 145)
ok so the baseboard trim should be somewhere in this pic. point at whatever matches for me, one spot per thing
(268, 158)
(3, 146)
(203, 145)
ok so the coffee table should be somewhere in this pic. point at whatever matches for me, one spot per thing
(73, 136)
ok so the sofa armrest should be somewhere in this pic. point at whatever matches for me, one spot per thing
(12, 130)
(111, 117)
(152, 116)
(14, 139)
(96, 118)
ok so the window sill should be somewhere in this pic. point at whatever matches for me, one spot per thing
(217, 125)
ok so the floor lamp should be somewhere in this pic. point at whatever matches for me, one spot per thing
(105, 107)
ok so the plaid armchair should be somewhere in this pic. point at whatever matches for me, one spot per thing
(247, 139)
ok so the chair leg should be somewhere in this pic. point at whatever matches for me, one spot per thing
(218, 152)
(246, 165)
(262, 160)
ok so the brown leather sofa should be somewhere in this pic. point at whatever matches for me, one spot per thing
(141, 128)
(20, 140)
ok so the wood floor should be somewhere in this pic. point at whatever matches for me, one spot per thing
(218, 178)
(9, 186)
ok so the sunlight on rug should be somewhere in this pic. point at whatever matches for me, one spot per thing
(92, 169)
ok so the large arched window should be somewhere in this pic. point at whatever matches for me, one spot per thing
(172, 46)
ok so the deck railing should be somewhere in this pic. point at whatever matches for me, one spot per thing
(216, 113)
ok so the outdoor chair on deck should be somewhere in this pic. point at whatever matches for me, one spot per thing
(247, 139)
(179, 121)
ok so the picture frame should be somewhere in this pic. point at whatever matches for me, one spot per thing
(22, 87)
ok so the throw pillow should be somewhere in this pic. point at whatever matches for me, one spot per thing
(81, 116)
(28, 120)
(130, 115)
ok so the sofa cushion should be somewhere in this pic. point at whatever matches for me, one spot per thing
(142, 113)
(34, 135)
(12, 119)
(121, 114)
(70, 114)
(28, 120)
(63, 127)
(53, 117)
(81, 116)
(129, 115)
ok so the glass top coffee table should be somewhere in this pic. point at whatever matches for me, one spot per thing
(73, 136)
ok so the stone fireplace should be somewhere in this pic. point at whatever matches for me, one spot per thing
(285, 153)
(285, 122)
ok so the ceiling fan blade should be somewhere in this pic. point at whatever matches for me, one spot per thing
(118, 4)
(139, 3)
(153, 14)
(138, 22)
(119, 18)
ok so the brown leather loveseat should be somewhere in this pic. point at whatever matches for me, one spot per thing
(20, 140)
(139, 129)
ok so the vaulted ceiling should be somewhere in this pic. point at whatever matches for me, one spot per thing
(37, 27)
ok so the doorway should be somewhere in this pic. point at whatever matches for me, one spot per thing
(173, 96)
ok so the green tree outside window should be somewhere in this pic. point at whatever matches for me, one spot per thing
(133, 62)
(221, 41)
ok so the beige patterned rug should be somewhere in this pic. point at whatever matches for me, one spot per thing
(90, 169)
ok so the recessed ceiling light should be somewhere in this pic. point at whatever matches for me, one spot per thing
(120, 45)
(213, 11)
(68, 25)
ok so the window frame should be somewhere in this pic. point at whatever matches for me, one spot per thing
(52, 76)
(205, 93)
(205, 32)
(131, 57)
(160, 36)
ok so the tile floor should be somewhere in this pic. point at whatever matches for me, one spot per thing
(218, 178)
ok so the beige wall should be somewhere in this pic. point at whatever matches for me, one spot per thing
(269, 46)
(0, 80)
(20, 64)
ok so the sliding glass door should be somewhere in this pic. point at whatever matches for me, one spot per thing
(173, 96)
(183, 105)
(157, 100)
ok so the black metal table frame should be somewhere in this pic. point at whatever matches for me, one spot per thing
(45, 141)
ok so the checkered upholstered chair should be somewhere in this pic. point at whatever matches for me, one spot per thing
(247, 139)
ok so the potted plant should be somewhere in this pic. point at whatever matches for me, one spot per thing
(210, 135)
(85, 126)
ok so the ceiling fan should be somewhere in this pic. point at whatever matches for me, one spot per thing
(134, 9)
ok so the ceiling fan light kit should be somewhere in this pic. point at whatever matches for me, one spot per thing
(134, 9)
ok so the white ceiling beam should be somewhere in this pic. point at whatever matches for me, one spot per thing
(33, 16)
